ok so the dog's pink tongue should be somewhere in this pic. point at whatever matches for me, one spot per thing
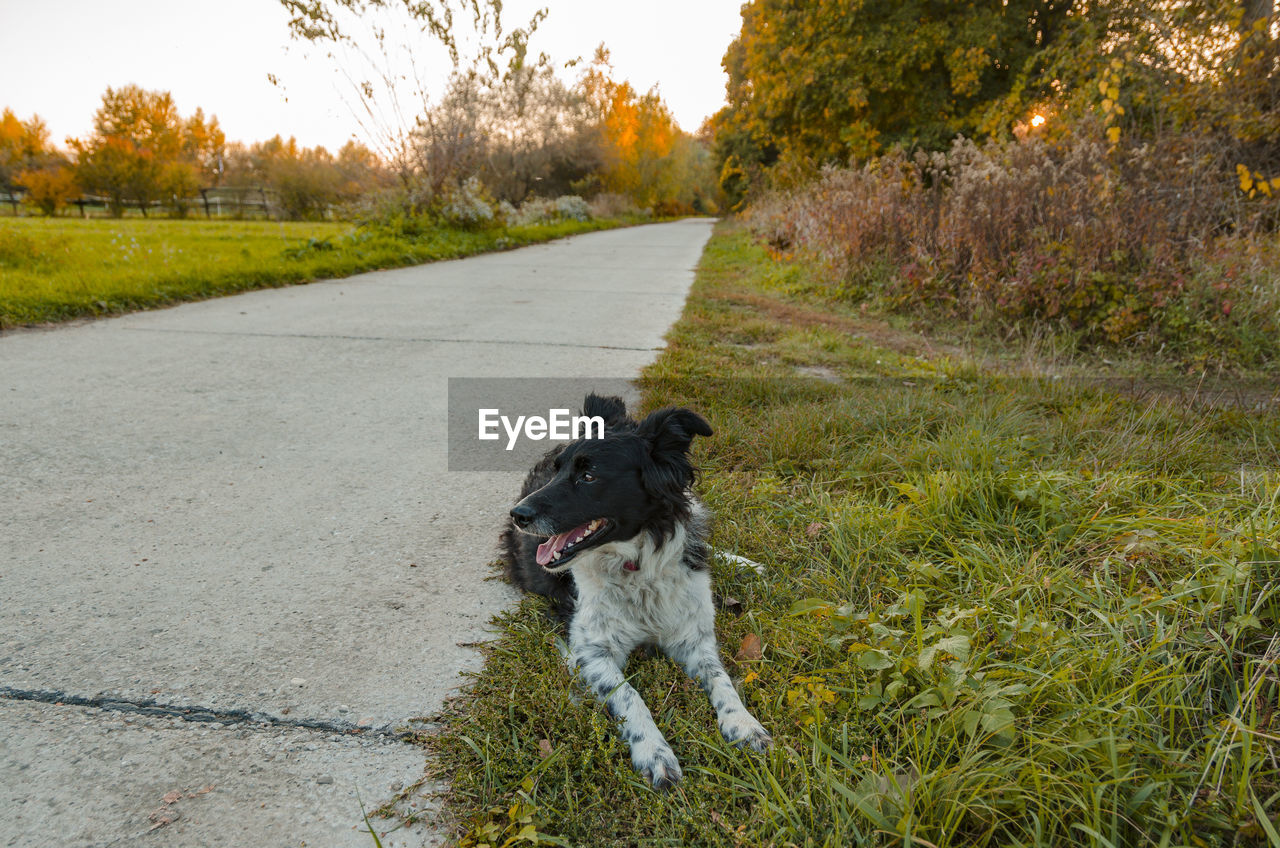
(548, 548)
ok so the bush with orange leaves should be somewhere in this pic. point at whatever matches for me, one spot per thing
(49, 189)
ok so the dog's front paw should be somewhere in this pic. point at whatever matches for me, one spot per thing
(741, 730)
(657, 762)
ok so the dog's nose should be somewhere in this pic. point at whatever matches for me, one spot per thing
(522, 515)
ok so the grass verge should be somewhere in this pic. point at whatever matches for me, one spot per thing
(57, 269)
(997, 610)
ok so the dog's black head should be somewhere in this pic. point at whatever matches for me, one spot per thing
(634, 479)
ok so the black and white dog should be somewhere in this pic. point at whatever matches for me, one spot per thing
(609, 530)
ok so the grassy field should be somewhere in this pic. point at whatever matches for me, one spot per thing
(61, 268)
(998, 608)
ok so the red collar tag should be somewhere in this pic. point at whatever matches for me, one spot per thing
(630, 566)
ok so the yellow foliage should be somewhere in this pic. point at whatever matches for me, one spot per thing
(48, 189)
(967, 66)
(1109, 88)
(1253, 183)
(647, 156)
(1246, 179)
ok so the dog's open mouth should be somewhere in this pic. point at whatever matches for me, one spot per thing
(561, 546)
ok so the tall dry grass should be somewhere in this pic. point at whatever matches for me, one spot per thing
(1151, 245)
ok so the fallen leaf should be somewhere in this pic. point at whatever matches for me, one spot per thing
(750, 649)
(730, 604)
(813, 530)
(163, 816)
(544, 748)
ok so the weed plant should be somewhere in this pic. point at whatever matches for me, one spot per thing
(995, 609)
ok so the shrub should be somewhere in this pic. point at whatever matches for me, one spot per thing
(505, 212)
(180, 182)
(609, 205)
(568, 207)
(49, 189)
(391, 211)
(1135, 247)
(466, 206)
(535, 210)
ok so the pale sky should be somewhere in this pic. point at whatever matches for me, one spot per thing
(58, 56)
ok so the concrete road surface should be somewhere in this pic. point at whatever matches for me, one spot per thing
(232, 561)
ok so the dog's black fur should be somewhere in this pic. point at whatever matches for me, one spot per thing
(642, 477)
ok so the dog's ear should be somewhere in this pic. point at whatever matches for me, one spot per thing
(669, 433)
(611, 409)
(671, 430)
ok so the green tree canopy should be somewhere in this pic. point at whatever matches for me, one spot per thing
(834, 79)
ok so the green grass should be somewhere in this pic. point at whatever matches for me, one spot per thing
(998, 609)
(61, 268)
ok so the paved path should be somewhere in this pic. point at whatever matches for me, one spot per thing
(239, 510)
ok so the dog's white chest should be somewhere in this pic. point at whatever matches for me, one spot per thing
(663, 601)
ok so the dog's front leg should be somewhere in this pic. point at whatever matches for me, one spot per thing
(701, 660)
(601, 670)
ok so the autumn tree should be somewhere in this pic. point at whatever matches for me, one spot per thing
(504, 115)
(1195, 83)
(359, 171)
(24, 145)
(832, 79)
(541, 136)
(644, 154)
(305, 181)
(29, 161)
(142, 150)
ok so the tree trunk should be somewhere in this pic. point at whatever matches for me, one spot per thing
(1254, 11)
(1255, 43)
(1255, 58)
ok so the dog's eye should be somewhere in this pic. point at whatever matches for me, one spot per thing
(587, 477)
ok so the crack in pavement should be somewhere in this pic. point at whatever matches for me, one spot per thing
(149, 707)
(382, 338)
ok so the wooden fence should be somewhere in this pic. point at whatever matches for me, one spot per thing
(236, 202)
